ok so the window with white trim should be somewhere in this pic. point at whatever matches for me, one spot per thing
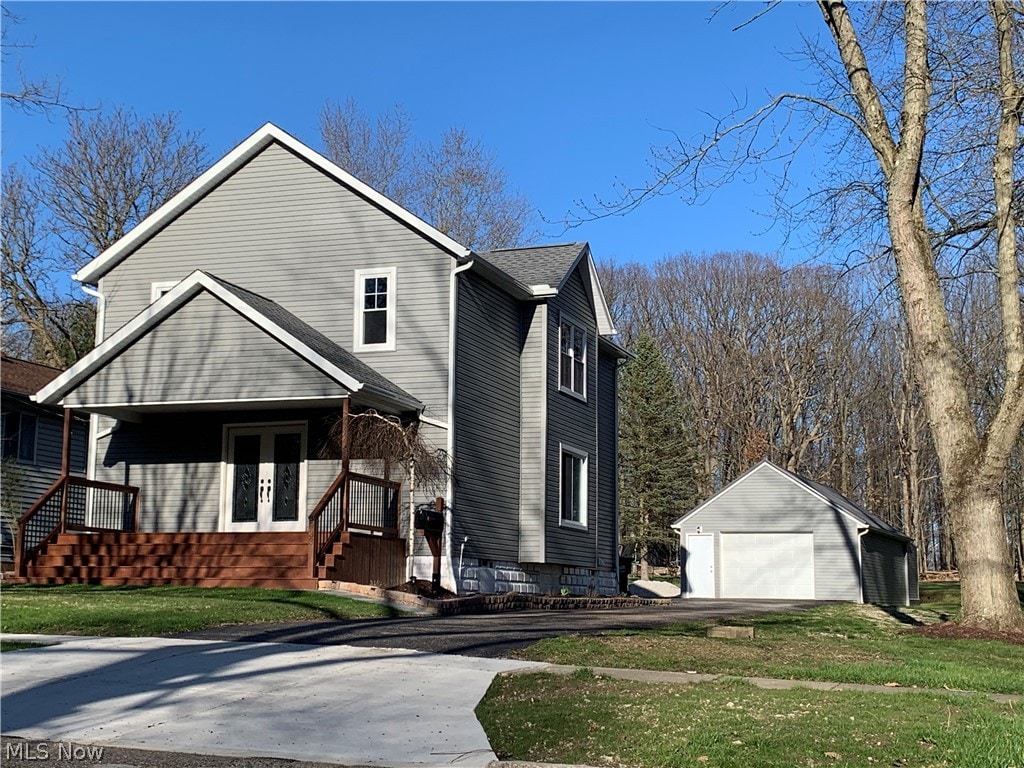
(19, 436)
(158, 289)
(573, 488)
(572, 358)
(375, 310)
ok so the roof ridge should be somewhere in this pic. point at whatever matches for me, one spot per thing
(535, 247)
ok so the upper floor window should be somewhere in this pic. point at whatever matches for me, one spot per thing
(572, 358)
(19, 436)
(375, 310)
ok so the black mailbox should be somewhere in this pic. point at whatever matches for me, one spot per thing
(428, 519)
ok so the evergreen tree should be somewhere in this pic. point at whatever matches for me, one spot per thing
(658, 454)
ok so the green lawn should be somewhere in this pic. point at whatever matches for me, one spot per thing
(130, 611)
(842, 642)
(598, 721)
(7, 645)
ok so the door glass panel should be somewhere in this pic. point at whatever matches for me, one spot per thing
(247, 465)
(287, 454)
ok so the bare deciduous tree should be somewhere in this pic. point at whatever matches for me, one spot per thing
(110, 173)
(923, 106)
(28, 94)
(455, 185)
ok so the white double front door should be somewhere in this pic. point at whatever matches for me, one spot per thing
(265, 479)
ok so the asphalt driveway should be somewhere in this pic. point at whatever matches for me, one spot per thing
(491, 635)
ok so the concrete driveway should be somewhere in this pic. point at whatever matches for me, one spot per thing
(338, 703)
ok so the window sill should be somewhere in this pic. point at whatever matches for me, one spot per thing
(572, 393)
(572, 525)
(389, 347)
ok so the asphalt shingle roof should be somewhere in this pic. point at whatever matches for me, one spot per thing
(318, 342)
(834, 496)
(538, 265)
(23, 377)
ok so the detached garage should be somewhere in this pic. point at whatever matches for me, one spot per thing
(774, 535)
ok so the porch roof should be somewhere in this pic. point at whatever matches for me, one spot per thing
(336, 372)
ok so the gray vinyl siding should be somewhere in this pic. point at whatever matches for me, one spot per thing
(176, 461)
(282, 229)
(884, 568)
(533, 409)
(25, 481)
(571, 422)
(766, 501)
(607, 460)
(204, 352)
(487, 398)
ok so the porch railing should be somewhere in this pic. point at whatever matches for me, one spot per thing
(353, 502)
(74, 504)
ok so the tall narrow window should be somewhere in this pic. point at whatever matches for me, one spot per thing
(572, 362)
(375, 310)
(573, 488)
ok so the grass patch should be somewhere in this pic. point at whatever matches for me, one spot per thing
(735, 724)
(11, 645)
(135, 611)
(844, 642)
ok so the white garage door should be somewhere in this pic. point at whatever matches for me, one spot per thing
(768, 565)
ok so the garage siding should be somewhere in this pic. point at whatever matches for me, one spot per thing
(766, 501)
(885, 576)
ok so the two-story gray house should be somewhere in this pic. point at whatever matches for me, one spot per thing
(277, 294)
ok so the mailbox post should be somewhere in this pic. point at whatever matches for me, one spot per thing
(430, 525)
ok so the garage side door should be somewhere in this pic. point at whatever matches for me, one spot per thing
(768, 565)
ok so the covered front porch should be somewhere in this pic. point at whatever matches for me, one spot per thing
(221, 460)
(269, 514)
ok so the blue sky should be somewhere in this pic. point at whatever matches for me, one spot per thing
(567, 96)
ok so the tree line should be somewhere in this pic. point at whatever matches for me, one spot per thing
(809, 366)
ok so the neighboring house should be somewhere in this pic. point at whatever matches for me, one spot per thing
(771, 534)
(31, 442)
(276, 294)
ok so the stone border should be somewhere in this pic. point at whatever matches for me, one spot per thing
(511, 601)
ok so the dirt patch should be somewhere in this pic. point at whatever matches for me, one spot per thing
(422, 588)
(954, 631)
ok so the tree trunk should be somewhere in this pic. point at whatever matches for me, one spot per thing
(988, 591)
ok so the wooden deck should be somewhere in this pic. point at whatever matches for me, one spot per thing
(194, 559)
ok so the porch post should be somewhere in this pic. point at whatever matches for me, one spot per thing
(65, 469)
(346, 455)
(65, 456)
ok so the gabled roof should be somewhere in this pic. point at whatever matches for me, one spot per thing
(23, 377)
(829, 495)
(226, 166)
(545, 269)
(539, 265)
(302, 339)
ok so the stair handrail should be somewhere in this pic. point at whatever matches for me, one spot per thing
(24, 554)
(320, 540)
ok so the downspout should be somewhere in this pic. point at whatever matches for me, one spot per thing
(94, 419)
(450, 443)
(861, 532)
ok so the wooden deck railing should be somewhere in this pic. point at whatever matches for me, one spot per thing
(74, 504)
(353, 502)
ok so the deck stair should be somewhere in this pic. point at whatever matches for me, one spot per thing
(278, 559)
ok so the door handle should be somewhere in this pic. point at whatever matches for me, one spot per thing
(261, 489)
